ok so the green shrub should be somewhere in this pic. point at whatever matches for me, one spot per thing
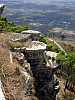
(50, 45)
(11, 26)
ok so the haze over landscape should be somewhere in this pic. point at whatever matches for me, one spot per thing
(41, 14)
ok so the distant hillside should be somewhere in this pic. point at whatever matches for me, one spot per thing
(41, 16)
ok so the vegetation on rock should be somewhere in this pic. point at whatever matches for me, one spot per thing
(50, 44)
(67, 63)
(7, 26)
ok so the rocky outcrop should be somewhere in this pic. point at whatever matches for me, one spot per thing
(45, 84)
(38, 79)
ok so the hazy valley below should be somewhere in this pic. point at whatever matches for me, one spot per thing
(41, 16)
